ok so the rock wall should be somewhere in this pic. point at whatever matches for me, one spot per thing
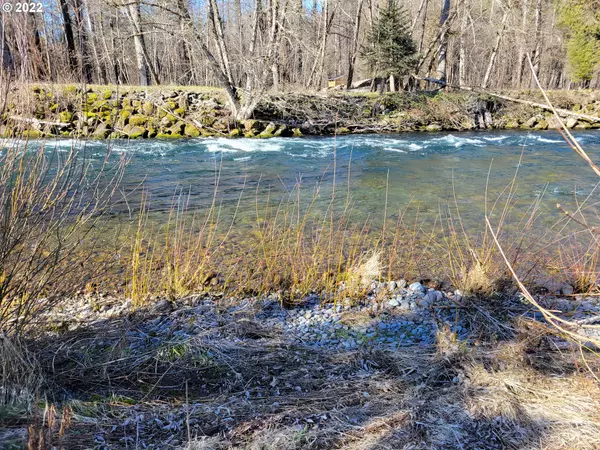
(105, 112)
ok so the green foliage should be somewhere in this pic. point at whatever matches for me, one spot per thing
(581, 21)
(390, 49)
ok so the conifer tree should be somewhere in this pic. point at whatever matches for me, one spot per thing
(390, 49)
(581, 21)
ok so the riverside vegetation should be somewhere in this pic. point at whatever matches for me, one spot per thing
(300, 329)
(121, 112)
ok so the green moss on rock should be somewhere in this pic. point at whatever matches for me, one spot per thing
(65, 116)
(177, 128)
(148, 108)
(33, 134)
(235, 133)
(268, 132)
(191, 131)
(134, 131)
(138, 120)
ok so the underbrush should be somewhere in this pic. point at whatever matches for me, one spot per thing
(308, 241)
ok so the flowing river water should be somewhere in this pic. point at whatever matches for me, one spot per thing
(427, 171)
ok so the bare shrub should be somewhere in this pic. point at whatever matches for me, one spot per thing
(50, 205)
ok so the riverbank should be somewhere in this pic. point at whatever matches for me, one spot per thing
(206, 372)
(102, 112)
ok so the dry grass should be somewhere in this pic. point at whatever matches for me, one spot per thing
(240, 385)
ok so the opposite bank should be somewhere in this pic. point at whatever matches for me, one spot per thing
(162, 112)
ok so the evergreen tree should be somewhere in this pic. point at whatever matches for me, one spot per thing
(581, 21)
(390, 49)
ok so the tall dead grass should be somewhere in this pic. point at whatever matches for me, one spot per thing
(50, 203)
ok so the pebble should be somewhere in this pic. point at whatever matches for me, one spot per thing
(417, 287)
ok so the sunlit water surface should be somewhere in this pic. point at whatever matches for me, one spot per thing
(428, 171)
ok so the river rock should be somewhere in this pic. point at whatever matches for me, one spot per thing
(571, 122)
(417, 287)
(433, 127)
(531, 122)
(566, 289)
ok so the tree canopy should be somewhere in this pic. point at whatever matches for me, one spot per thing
(390, 49)
(581, 21)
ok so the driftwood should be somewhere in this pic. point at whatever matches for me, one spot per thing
(562, 112)
(39, 122)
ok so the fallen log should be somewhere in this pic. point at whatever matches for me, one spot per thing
(40, 122)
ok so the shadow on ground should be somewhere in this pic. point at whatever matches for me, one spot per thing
(235, 383)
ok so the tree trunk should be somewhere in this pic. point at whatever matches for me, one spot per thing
(86, 67)
(100, 68)
(353, 52)
(217, 28)
(138, 42)
(5, 54)
(423, 26)
(319, 62)
(142, 57)
(536, 54)
(521, 59)
(490, 67)
(462, 72)
(443, 48)
(68, 27)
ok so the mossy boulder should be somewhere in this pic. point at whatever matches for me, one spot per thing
(92, 97)
(191, 131)
(138, 120)
(33, 134)
(134, 131)
(282, 131)
(207, 120)
(583, 125)
(511, 125)
(65, 116)
(124, 116)
(180, 112)
(171, 104)
(268, 132)
(297, 133)
(101, 131)
(102, 105)
(531, 123)
(235, 133)
(107, 95)
(342, 130)
(168, 120)
(252, 125)
(571, 122)
(433, 127)
(177, 129)
(126, 102)
(148, 108)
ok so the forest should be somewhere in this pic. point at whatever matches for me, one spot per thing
(300, 44)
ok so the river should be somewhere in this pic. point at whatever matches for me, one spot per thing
(428, 171)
